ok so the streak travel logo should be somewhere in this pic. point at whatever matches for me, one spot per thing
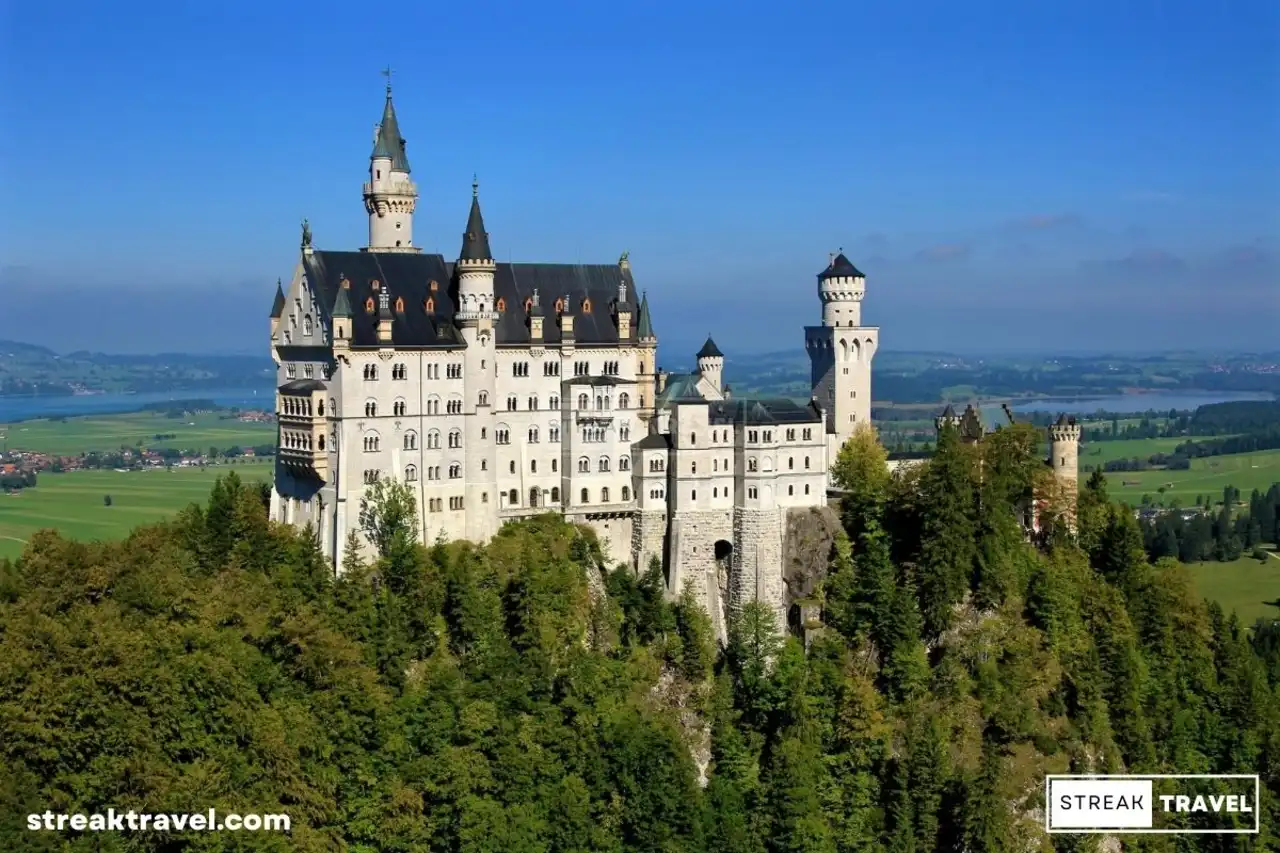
(1170, 804)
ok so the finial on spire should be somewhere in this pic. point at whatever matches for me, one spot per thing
(475, 185)
(386, 72)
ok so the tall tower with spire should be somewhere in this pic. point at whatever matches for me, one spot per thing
(840, 352)
(390, 196)
(476, 317)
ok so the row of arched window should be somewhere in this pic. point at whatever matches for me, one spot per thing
(532, 404)
(300, 406)
(603, 464)
(300, 441)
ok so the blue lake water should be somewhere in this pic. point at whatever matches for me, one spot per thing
(1133, 403)
(14, 408)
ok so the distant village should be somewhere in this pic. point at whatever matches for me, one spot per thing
(20, 469)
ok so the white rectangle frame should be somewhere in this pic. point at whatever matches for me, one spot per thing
(1257, 803)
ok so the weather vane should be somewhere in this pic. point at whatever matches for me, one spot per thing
(386, 72)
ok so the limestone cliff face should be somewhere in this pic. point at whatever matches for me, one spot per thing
(807, 540)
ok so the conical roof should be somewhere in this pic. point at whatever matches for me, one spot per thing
(277, 307)
(644, 326)
(390, 144)
(342, 304)
(840, 267)
(710, 350)
(475, 241)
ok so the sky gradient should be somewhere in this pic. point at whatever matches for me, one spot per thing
(1086, 175)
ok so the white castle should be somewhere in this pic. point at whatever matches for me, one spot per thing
(499, 391)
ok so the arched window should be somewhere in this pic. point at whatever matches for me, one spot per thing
(604, 463)
(693, 438)
(410, 440)
(371, 442)
(624, 463)
(511, 466)
(368, 305)
(399, 407)
(586, 497)
(320, 408)
(483, 399)
(586, 306)
(555, 494)
(624, 400)
(321, 439)
(554, 402)
(370, 409)
(502, 304)
(584, 465)
(604, 495)
(533, 403)
(533, 496)
(533, 435)
(626, 493)
(583, 401)
(333, 409)
(806, 463)
(433, 440)
(399, 304)
(455, 471)
(513, 498)
(693, 467)
(512, 403)
(455, 438)
(306, 325)
(410, 474)
(429, 305)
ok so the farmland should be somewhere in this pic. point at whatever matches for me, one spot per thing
(71, 436)
(1247, 586)
(73, 503)
(1206, 476)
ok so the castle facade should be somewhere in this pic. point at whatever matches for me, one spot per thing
(499, 391)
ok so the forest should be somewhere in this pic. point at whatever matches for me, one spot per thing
(533, 695)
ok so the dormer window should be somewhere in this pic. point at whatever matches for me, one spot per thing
(399, 304)
(559, 306)
(430, 304)
(374, 285)
(368, 305)
(528, 305)
(502, 304)
(434, 286)
(586, 306)
(345, 284)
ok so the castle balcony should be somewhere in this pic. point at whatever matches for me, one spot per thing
(593, 417)
(390, 188)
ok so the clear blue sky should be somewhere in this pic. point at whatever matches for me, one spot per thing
(1066, 174)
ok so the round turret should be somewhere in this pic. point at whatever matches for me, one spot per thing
(1064, 448)
(841, 287)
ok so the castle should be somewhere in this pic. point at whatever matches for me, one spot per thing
(499, 391)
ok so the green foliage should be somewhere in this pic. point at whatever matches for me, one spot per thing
(515, 696)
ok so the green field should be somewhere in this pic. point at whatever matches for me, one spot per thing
(1244, 585)
(1208, 476)
(1100, 452)
(109, 432)
(72, 503)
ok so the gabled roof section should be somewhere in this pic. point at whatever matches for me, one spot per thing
(475, 242)
(765, 411)
(710, 350)
(949, 411)
(390, 144)
(644, 326)
(277, 307)
(840, 267)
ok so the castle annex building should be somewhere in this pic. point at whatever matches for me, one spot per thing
(499, 391)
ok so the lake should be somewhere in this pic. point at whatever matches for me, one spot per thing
(1132, 403)
(14, 408)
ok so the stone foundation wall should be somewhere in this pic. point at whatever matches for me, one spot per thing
(648, 539)
(757, 561)
(692, 553)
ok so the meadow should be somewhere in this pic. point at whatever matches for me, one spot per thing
(72, 436)
(1101, 452)
(73, 504)
(1249, 587)
(1207, 476)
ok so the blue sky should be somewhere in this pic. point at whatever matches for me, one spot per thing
(1083, 175)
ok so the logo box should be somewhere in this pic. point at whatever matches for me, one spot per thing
(1124, 803)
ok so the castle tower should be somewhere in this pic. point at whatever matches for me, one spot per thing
(1064, 453)
(390, 196)
(476, 317)
(841, 351)
(711, 364)
(277, 310)
(648, 363)
(948, 418)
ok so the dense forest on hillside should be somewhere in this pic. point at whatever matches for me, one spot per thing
(530, 695)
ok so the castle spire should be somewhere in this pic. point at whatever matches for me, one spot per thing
(644, 326)
(390, 145)
(475, 241)
(277, 307)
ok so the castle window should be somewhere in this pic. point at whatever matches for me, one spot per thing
(586, 306)
(753, 493)
(399, 304)
(791, 435)
(559, 306)
(410, 440)
(513, 498)
(484, 398)
(399, 407)
(455, 439)
(806, 488)
(434, 286)
(603, 465)
(368, 305)
(370, 409)
(429, 305)
(371, 371)
(624, 400)
(624, 463)
(371, 443)
(399, 371)
(533, 435)
(512, 402)
(752, 465)
(291, 371)
(306, 325)
(433, 440)
(693, 438)
(584, 465)
(455, 471)
(455, 503)
(511, 466)
(586, 497)
(583, 401)
(555, 494)
(375, 285)
(806, 463)
(454, 407)
(528, 303)
(693, 467)
(533, 404)
(624, 432)
(484, 464)
(321, 405)
(410, 474)
(693, 494)
(808, 434)
(604, 495)
(715, 493)
(715, 464)
(502, 436)
(371, 476)
(626, 493)
(453, 371)
(553, 433)
(533, 466)
(502, 304)
(555, 465)
(791, 490)
(791, 463)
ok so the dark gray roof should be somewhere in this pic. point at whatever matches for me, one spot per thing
(644, 326)
(764, 411)
(277, 307)
(301, 386)
(949, 411)
(408, 276)
(475, 241)
(341, 304)
(710, 350)
(840, 267)
(390, 143)
(657, 441)
(599, 380)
